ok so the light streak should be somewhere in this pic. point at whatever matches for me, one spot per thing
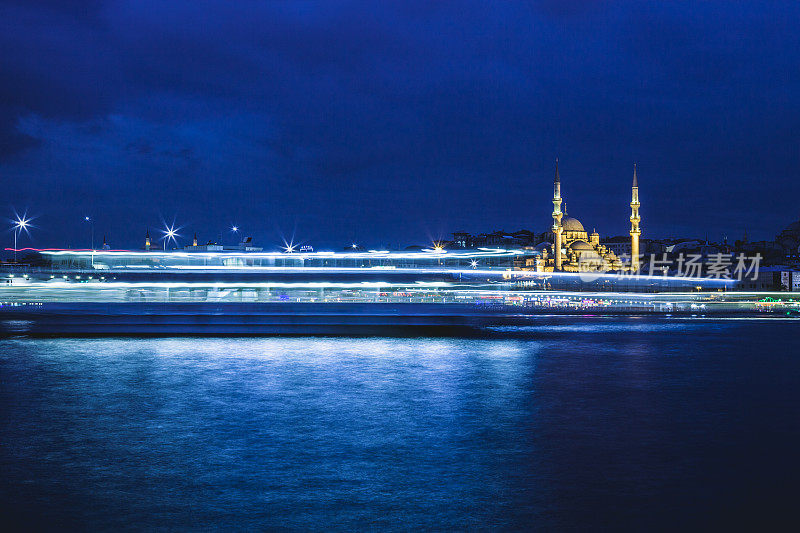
(371, 254)
(299, 258)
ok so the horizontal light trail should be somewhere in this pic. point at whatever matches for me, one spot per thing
(584, 277)
(372, 254)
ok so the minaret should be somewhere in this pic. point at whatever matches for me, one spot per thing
(557, 229)
(194, 241)
(147, 239)
(635, 218)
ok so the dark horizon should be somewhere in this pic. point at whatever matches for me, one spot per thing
(396, 124)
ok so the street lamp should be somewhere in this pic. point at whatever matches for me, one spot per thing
(170, 232)
(90, 220)
(21, 223)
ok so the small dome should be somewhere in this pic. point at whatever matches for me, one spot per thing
(580, 246)
(543, 246)
(571, 224)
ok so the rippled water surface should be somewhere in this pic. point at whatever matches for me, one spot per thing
(602, 423)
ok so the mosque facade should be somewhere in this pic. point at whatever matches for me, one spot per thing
(578, 250)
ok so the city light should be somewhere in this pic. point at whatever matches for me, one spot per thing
(21, 223)
(368, 254)
(170, 234)
(289, 247)
(91, 223)
(234, 228)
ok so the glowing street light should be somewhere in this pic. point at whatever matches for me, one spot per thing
(289, 247)
(234, 229)
(170, 233)
(90, 220)
(20, 224)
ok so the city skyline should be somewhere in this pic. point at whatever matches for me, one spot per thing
(178, 233)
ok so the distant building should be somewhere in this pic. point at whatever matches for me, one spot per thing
(788, 240)
(790, 281)
(210, 246)
(497, 239)
(765, 279)
(620, 245)
(246, 245)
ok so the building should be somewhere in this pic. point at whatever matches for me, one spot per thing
(790, 281)
(620, 245)
(246, 245)
(569, 247)
(579, 249)
(789, 239)
(496, 239)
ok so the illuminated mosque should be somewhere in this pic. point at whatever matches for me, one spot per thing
(580, 251)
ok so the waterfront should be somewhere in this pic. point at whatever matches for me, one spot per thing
(619, 422)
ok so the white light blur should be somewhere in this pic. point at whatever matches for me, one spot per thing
(369, 254)
(22, 223)
(170, 234)
(288, 247)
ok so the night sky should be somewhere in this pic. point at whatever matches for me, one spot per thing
(395, 123)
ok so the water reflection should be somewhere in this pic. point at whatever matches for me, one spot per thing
(597, 424)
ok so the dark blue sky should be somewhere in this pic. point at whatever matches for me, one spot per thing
(397, 122)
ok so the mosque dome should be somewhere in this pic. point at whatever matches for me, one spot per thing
(571, 224)
(580, 246)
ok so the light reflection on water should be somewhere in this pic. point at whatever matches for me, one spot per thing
(604, 424)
